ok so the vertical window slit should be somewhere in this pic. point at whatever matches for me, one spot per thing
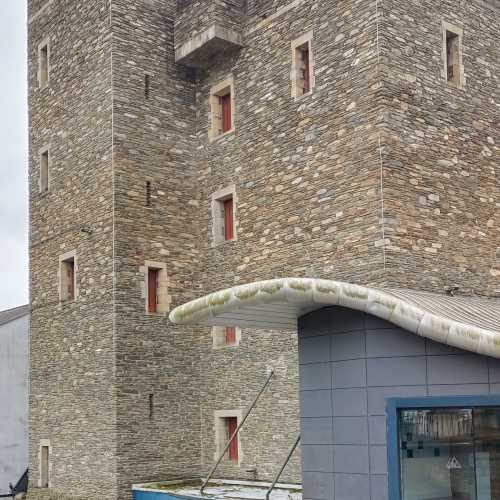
(148, 193)
(151, 406)
(147, 86)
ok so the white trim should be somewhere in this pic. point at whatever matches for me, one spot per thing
(277, 304)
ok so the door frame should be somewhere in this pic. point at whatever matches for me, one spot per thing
(395, 404)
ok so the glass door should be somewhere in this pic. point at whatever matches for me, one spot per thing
(437, 457)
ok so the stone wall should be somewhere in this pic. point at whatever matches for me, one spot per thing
(441, 148)
(71, 348)
(352, 182)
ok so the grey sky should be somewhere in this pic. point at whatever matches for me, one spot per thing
(13, 160)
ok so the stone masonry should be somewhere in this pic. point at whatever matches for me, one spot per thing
(384, 174)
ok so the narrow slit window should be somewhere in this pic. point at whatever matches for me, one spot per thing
(302, 66)
(225, 104)
(44, 466)
(148, 193)
(228, 219)
(68, 277)
(43, 64)
(453, 57)
(303, 69)
(44, 171)
(231, 424)
(147, 86)
(151, 406)
(153, 275)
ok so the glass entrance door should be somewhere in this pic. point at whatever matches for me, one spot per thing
(449, 453)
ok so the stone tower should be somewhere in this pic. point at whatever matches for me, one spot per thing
(202, 144)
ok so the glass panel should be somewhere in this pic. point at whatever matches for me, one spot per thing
(487, 435)
(437, 454)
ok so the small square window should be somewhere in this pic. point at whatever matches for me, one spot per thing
(222, 109)
(223, 214)
(67, 273)
(302, 66)
(43, 64)
(226, 336)
(44, 171)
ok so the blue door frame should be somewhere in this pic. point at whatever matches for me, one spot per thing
(396, 404)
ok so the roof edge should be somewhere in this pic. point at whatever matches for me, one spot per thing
(14, 313)
(318, 293)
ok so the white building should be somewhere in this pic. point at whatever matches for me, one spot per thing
(14, 342)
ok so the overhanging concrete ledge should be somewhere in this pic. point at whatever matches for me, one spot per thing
(199, 50)
(468, 323)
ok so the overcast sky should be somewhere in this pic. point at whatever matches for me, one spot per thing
(13, 160)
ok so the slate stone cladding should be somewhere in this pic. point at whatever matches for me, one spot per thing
(350, 362)
(308, 174)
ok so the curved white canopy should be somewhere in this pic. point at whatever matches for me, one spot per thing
(468, 323)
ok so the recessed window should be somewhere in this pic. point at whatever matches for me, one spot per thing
(222, 109)
(147, 85)
(44, 456)
(43, 64)
(452, 54)
(153, 282)
(223, 212)
(155, 288)
(452, 57)
(44, 466)
(151, 406)
(44, 171)
(231, 424)
(226, 426)
(67, 273)
(226, 336)
(148, 193)
(302, 66)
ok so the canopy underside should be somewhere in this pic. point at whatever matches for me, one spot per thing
(468, 323)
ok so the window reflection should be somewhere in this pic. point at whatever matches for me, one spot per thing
(450, 453)
(437, 454)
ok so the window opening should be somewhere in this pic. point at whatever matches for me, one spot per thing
(153, 275)
(44, 467)
(148, 193)
(43, 61)
(44, 171)
(231, 424)
(453, 57)
(228, 219)
(147, 85)
(68, 279)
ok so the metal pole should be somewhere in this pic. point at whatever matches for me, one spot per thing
(235, 433)
(276, 479)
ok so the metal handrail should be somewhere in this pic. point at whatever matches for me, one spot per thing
(235, 433)
(276, 479)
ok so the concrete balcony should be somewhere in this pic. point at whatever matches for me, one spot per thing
(205, 28)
